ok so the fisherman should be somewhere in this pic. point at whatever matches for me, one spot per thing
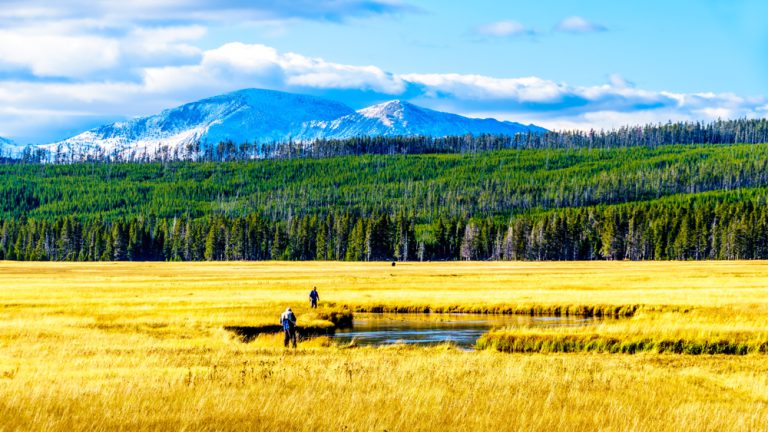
(313, 298)
(288, 321)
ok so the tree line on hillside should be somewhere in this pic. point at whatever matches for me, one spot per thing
(707, 227)
(500, 184)
(745, 131)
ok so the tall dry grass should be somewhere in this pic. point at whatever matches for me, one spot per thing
(142, 347)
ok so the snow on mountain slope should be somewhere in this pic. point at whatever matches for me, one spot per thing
(396, 117)
(5, 142)
(245, 115)
(8, 148)
(265, 116)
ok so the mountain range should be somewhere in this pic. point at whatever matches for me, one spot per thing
(267, 116)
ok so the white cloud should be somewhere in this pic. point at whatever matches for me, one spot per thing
(106, 39)
(318, 73)
(226, 68)
(51, 55)
(238, 64)
(201, 10)
(577, 24)
(618, 81)
(504, 28)
(26, 11)
(158, 44)
(254, 58)
(75, 49)
(479, 87)
(229, 67)
(562, 106)
(33, 106)
(77, 63)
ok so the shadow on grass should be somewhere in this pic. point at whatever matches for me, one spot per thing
(249, 333)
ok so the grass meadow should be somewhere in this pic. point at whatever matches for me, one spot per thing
(142, 346)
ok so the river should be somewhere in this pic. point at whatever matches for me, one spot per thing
(424, 329)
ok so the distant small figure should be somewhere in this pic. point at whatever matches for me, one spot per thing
(313, 298)
(288, 321)
(393, 263)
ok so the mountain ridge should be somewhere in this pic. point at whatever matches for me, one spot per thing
(267, 116)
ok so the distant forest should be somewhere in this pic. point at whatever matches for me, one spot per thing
(711, 226)
(557, 200)
(719, 132)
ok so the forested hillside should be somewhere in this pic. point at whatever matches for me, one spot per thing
(634, 202)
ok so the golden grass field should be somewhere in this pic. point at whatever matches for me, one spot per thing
(141, 346)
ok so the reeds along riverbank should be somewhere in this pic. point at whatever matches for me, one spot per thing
(616, 311)
(698, 331)
(511, 342)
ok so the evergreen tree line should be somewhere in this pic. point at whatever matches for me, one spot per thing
(746, 131)
(711, 226)
(493, 184)
(741, 131)
(334, 237)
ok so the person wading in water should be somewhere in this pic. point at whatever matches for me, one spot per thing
(288, 321)
(313, 298)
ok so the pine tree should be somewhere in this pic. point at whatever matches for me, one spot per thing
(119, 242)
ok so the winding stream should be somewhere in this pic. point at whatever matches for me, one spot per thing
(461, 329)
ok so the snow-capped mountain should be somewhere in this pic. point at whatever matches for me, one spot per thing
(246, 115)
(396, 117)
(266, 116)
(9, 148)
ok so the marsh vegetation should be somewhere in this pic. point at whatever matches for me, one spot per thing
(136, 346)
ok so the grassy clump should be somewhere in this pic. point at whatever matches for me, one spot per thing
(339, 318)
(309, 330)
(320, 323)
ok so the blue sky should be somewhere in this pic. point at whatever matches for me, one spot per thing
(68, 66)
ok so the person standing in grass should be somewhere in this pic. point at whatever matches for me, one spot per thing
(313, 298)
(288, 321)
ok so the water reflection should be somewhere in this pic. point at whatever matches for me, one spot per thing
(461, 329)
